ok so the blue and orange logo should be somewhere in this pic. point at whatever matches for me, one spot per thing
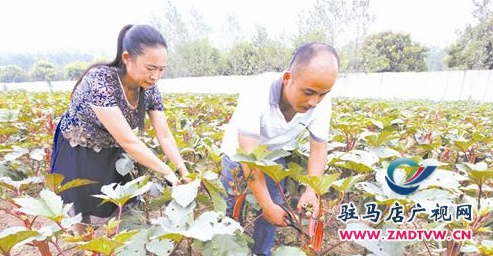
(418, 174)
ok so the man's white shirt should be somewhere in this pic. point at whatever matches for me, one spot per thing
(258, 115)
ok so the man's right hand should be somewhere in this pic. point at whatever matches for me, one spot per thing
(275, 215)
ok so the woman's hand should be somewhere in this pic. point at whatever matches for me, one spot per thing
(184, 174)
(171, 177)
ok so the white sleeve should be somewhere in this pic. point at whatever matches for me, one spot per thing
(319, 127)
(247, 114)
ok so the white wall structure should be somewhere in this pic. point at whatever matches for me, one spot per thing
(473, 85)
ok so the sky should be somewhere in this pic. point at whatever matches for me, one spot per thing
(93, 25)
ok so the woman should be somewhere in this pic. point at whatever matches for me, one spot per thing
(108, 102)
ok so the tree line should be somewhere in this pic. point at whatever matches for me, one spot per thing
(343, 24)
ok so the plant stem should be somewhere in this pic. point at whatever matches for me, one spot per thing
(480, 195)
(120, 212)
(424, 242)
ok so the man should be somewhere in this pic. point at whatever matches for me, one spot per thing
(274, 115)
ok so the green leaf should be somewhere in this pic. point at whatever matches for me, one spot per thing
(21, 185)
(186, 193)
(259, 155)
(102, 245)
(227, 245)
(378, 139)
(357, 167)
(161, 247)
(288, 250)
(480, 177)
(274, 155)
(18, 152)
(75, 183)
(320, 184)
(176, 217)
(49, 205)
(260, 152)
(345, 184)
(479, 173)
(10, 237)
(124, 165)
(216, 190)
(385, 152)
(443, 179)
(463, 144)
(9, 115)
(120, 194)
(136, 245)
(54, 180)
(276, 172)
(125, 236)
(37, 154)
(211, 223)
(358, 160)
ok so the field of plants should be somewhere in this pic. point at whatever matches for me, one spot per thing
(366, 136)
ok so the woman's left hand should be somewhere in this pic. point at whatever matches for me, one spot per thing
(185, 175)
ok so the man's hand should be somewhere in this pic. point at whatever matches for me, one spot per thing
(275, 215)
(308, 200)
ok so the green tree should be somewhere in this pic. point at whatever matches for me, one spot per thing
(343, 24)
(172, 25)
(483, 10)
(239, 59)
(435, 59)
(75, 69)
(13, 74)
(190, 51)
(392, 52)
(474, 48)
(271, 54)
(197, 58)
(44, 70)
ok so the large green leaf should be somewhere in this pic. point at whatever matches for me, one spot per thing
(320, 184)
(21, 185)
(49, 205)
(16, 153)
(144, 241)
(8, 115)
(186, 193)
(177, 217)
(259, 155)
(463, 144)
(384, 152)
(357, 160)
(344, 185)
(161, 247)
(102, 245)
(288, 250)
(13, 236)
(277, 173)
(124, 165)
(120, 194)
(226, 245)
(216, 190)
(212, 223)
(54, 182)
(479, 173)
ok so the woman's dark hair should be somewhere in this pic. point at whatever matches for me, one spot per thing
(132, 39)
